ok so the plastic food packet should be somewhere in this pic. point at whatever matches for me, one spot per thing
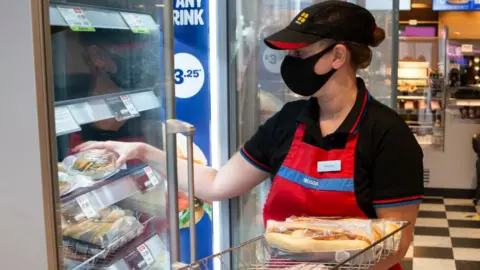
(109, 226)
(66, 183)
(382, 228)
(320, 239)
(96, 165)
(324, 235)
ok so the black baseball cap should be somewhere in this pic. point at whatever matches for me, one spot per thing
(337, 20)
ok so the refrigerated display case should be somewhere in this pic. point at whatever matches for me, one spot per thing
(105, 72)
(422, 91)
(107, 86)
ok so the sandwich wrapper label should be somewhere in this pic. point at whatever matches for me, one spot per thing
(341, 256)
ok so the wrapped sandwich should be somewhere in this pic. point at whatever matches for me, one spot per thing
(298, 236)
(382, 228)
(108, 226)
(95, 164)
(66, 183)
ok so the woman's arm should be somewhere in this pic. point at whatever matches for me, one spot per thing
(232, 180)
(403, 213)
(397, 183)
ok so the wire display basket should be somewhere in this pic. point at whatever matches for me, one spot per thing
(257, 254)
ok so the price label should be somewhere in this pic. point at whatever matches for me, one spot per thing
(153, 180)
(129, 105)
(121, 107)
(189, 75)
(86, 206)
(64, 121)
(146, 254)
(76, 19)
(467, 48)
(135, 23)
(272, 60)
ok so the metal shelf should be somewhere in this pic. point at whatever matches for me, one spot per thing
(101, 18)
(72, 113)
(413, 79)
(465, 102)
(418, 98)
(107, 192)
(129, 256)
(421, 112)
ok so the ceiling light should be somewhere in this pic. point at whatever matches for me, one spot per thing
(476, 77)
(412, 22)
(476, 59)
(477, 68)
(159, 5)
(457, 33)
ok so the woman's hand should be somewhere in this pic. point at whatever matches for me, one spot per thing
(125, 150)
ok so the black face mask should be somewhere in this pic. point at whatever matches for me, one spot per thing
(299, 74)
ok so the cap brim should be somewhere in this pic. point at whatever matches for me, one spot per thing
(288, 39)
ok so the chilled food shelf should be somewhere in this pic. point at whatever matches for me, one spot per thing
(417, 97)
(88, 201)
(140, 254)
(80, 254)
(146, 251)
(69, 115)
(465, 102)
(100, 18)
(425, 112)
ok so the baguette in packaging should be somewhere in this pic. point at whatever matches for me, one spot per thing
(325, 240)
(109, 226)
(298, 236)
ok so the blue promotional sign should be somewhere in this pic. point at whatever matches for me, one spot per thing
(448, 5)
(192, 91)
(191, 68)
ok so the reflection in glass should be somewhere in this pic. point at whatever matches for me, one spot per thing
(261, 92)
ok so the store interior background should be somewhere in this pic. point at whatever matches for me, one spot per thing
(431, 44)
(454, 167)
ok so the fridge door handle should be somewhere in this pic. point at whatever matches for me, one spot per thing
(174, 127)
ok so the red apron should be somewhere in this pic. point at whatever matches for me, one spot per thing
(316, 182)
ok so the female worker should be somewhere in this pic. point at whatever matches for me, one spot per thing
(340, 153)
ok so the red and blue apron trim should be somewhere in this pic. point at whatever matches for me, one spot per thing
(333, 184)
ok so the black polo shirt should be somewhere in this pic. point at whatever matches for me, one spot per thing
(388, 159)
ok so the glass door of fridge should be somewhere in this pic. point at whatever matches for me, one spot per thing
(111, 99)
(259, 91)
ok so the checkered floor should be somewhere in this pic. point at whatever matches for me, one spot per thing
(445, 238)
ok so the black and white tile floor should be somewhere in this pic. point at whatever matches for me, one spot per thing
(445, 238)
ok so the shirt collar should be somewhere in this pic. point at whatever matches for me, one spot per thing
(311, 112)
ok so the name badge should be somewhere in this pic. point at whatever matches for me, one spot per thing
(329, 166)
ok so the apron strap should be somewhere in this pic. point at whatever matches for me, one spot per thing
(299, 133)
